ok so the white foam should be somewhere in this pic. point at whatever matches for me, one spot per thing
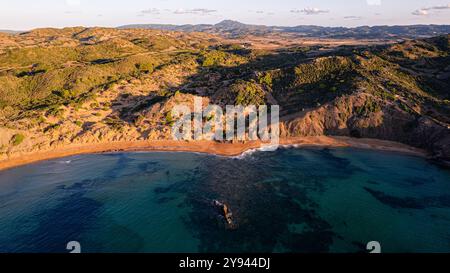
(263, 148)
(267, 148)
(66, 162)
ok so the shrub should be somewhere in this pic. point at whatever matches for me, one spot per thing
(221, 58)
(94, 105)
(114, 123)
(213, 58)
(169, 119)
(145, 67)
(55, 111)
(52, 127)
(266, 79)
(248, 93)
(17, 139)
(370, 106)
(65, 94)
(138, 120)
(3, 104)
(321, 69)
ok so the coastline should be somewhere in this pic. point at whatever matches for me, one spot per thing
(208, 147)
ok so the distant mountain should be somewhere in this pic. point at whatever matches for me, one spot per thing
(375, 32)
(227, 28)
(9, 31)
(231, 28)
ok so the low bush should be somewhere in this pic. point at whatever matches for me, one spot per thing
(17, 139)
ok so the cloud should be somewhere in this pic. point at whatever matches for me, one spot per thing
(428, 10)
(310, 11)
(351, 17)
(155, 11)
(195, 11)
(151, 11)
(268, 13)
(441, 7)
(420, 12)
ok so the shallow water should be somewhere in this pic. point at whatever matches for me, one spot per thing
(290, 200)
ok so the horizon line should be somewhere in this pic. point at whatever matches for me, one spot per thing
(169, 24)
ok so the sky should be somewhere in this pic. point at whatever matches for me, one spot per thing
(29, 14)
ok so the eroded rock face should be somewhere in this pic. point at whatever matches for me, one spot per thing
(344, 117)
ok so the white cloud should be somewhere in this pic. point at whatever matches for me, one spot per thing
(310, 11)
(420, 12)
(351, 17)
(151, 11)
(442, 7)
(155, 11)
(195, 11)
(427, 11)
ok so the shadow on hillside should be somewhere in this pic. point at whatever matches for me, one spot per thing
(211, 81)
(292, 99)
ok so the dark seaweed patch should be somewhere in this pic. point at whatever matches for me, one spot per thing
(149, 167)
(264, 211)
(164, 200)
(396, 202)
(418, 181)
(410, 202)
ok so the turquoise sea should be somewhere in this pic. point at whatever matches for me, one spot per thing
(289, 200)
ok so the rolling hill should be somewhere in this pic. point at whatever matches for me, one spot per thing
(95, 85)
(231, 28)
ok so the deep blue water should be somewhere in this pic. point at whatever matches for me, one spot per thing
(290, 200)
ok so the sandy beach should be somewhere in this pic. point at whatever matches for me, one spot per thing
(210, 147)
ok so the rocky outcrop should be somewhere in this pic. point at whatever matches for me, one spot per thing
(363, 115)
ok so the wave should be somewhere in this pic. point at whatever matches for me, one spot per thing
(65, 162)
(263, 148)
